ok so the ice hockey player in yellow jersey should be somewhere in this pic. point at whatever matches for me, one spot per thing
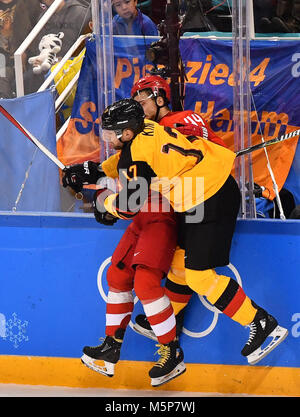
(195, 176)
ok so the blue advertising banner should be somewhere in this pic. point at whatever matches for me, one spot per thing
(52, 298)
(274, 73)
(29, 181)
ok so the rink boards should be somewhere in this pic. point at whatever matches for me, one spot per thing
(52, 303)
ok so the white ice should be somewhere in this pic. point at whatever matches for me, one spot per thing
(15, 390)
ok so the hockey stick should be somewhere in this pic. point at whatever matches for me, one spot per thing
(32, 138)
(54, 159)
(268, 143)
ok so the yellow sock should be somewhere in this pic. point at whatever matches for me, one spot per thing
(224, 293)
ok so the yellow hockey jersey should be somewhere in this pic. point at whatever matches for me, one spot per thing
(186, 170)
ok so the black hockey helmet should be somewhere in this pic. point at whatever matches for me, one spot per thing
(125, 113)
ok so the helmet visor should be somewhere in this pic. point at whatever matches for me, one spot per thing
(110, 136)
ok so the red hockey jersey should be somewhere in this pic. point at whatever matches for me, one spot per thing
(188, 122)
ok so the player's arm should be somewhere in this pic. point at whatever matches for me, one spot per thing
(101, 214)
(78, 175)
(201, 129)
(110, 166)
(215, 138)
(89, 172)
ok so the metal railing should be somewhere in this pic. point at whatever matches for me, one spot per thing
(27, 42)
(19, 73)
(61, 63)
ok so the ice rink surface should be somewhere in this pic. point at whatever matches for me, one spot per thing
(122, 402)
(14, 390)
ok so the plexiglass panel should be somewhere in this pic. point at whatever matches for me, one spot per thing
(223, 60)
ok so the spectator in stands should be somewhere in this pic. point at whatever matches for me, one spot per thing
(277, 16)
(207, 15)
(129, 20)
(195, 19)
(72, 17)
(287, 19)
(17, 19)
(264, 11)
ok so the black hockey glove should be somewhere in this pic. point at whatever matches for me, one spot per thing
(75, 176)
(101, 214)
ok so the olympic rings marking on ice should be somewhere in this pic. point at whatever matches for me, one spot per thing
(202, 299)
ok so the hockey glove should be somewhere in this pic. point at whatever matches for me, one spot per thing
(75, 176)
(101, 214)
(189, 130)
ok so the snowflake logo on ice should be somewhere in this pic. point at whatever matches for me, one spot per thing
(16, 330)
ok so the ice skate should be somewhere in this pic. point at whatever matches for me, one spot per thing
(108, 351)
(143, 327)
(169, 366)
(263, 326)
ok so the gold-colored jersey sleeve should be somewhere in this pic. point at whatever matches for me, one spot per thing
(110, 165)
(110, 206)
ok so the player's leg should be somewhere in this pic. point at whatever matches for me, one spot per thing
(176, 288)
(119, 307)
(153, 255)
(159, 312)
(178, 292)
(207, 246)
(228, 296)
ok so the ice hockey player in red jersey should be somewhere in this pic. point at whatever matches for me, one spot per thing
(154, 94)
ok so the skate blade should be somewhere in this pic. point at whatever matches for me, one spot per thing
(180, 369)
(278, 335)
(108, 369)
(147, 333)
